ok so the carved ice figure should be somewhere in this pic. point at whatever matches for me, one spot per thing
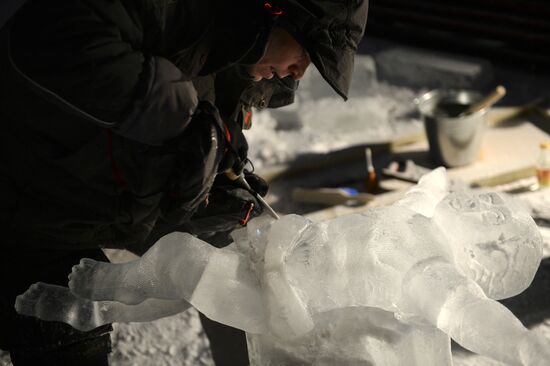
(439, 269)
(344, 291)
(355, 336)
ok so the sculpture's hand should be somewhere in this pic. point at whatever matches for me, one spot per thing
(56, 303)
(458, 306)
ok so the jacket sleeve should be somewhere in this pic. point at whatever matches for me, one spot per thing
(90, 54)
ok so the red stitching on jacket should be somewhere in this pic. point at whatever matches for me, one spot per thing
(247, 120)
(272, 9)
(244, 221)
(227, 133)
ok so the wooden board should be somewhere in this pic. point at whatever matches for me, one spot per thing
(509, 152)
(506, 149)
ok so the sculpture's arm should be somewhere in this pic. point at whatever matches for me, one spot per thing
(170, 269)
(56, 303)
(218, 282)
(458, 306)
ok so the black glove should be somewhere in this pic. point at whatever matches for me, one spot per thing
(236, 146)
(227, 207)
(198, 153)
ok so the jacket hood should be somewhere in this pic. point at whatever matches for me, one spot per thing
(330, 31)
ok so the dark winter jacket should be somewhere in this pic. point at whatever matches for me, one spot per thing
(104, 131)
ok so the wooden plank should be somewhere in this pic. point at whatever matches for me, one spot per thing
(509, 152)
(506, 150)
(455, 42)
(533, 9)
(458, 11)
(522, 38)
(509, 31)
(309, 164)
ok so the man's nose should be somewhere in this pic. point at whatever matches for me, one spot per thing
(297, 74)
(297, 71)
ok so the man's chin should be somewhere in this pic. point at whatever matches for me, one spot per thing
(254, 77)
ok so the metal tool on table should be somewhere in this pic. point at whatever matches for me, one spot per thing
(331, 196)
(405, 170)
(371, 180)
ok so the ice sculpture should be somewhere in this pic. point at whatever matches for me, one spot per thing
(385, 287)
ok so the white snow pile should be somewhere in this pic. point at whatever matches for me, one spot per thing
(174, 341)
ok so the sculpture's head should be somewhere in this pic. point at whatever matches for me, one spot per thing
(494, 240)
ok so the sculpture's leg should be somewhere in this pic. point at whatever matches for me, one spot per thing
(56, 303)
(487, 327)
(170, 269)
(458, 306)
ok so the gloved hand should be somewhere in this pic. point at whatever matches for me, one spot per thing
(227, 207)
(198, 152)
(236, 146)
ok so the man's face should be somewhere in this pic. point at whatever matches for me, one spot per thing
(284, 56)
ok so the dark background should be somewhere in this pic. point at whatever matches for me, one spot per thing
(516, 32)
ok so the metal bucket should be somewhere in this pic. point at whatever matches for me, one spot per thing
(454, 141)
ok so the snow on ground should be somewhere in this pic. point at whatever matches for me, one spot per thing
(174, 341)
(317, 122)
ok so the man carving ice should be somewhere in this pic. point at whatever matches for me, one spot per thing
(120, 120)
(436, 260)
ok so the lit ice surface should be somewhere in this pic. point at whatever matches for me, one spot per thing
(387, 287)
